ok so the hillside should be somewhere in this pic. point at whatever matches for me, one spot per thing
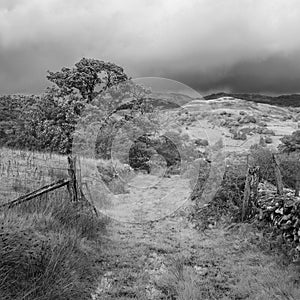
(282, 100)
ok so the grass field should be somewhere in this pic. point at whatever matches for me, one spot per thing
(23, 171)
(48, 246)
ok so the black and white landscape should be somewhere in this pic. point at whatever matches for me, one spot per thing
(149, 149)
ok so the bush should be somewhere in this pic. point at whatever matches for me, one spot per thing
(239, 135)
(227, 202)
(263, 157)
(115, 175)
(201, 142)
(229, 196)
(172, 146)
(290, 143)
(289, 165)
(290, 168)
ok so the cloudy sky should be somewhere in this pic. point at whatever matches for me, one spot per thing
(209, 45)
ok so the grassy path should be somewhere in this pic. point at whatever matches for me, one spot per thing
(168, 259)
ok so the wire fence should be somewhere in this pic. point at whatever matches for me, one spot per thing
(22, 172)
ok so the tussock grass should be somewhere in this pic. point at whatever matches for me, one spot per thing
(180, 281)
(48, 250)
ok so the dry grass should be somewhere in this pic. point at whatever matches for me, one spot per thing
(23, 171)
(180, 281)
(48, 252)
(48, 246)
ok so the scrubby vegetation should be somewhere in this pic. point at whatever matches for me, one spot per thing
(276, 213)
(283, 100)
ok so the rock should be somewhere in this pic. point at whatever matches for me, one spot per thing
(201, 142)
(262, 124)
(268, 140)
(280, 211)
(239, 135)
(233, 124)
(247, 119)
(262, 130)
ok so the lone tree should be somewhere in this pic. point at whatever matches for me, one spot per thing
(89, 76)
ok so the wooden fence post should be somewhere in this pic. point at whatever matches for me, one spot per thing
(75, 184)
(297, 184)
(72, 186)
(278, 176)
(250, 192)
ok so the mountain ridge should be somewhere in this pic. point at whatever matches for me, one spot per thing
(281, 100)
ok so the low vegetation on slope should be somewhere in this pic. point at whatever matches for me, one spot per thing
(282, 100)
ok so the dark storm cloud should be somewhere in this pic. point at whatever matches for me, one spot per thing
(239, 45)
(276, 74)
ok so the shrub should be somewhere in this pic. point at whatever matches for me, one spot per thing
(227, 202)
(289, 165)
(229, 197)
(201, 142)
(290, 143)
(74, 216)
(114, 174)
(290, 168)
(263, 157)
(239, 135)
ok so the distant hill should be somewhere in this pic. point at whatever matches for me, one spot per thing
(176, 99)
(169, 100)
(282, 100)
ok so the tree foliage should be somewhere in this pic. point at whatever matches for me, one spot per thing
(47, 122)
(89, 77)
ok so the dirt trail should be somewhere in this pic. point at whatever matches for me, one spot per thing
(169, 259)
(149, 198)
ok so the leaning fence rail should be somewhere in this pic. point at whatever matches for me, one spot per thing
(43, 190)
(73, 184)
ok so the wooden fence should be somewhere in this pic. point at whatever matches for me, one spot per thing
(73, 184)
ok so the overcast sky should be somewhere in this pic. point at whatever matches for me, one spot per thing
(209, 45)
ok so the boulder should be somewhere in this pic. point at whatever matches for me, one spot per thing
(247, 119)
(239, 135)
(263, 130)
(262, 124)
(268, 140)
(201, 142)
